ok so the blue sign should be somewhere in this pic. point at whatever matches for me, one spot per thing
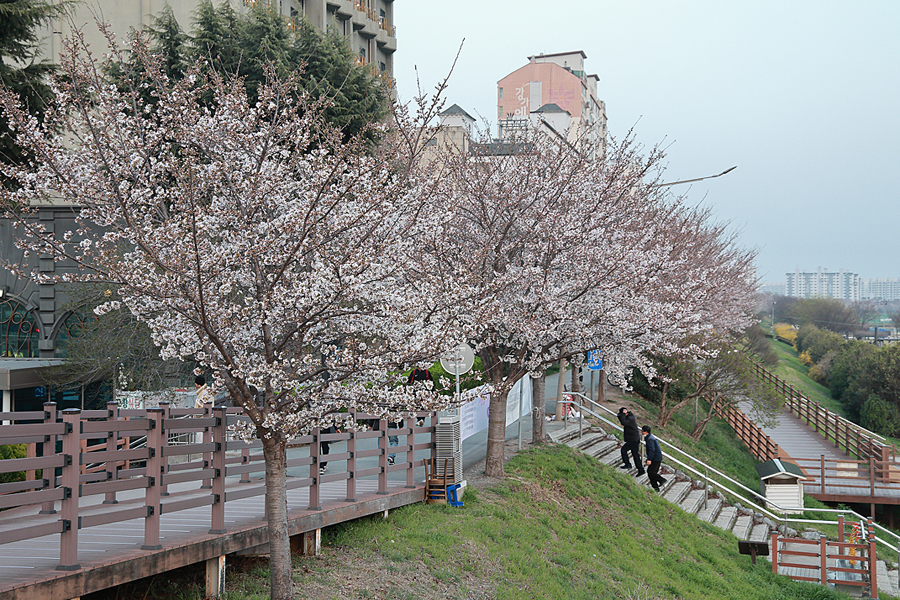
(595, 360)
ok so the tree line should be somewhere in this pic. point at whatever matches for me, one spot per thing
(307, 263)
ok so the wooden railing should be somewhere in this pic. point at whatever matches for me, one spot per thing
(119, 467)
(845, 435)
(851, 559)
(873, 478)
(760, 444)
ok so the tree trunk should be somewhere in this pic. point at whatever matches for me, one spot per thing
(280, 580)
(537, 409)
(496, 440)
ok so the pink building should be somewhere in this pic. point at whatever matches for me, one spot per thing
(528, 95)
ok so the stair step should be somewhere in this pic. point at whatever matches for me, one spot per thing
(588, 439)
(713, 506)
(726, 518)
(742, 526)
(677, 492)
(693, 501)
(613, 459)
(602, 448)
(760, 533)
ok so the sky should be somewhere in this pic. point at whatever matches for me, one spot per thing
(802, 96)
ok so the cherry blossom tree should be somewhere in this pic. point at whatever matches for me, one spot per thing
(250, 238)
(574, 254)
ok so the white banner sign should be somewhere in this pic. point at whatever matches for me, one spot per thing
(473, 416)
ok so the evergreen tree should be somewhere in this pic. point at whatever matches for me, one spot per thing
(20, 66)
(243, 44)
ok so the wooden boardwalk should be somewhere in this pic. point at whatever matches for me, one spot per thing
(111, 555)
(165, 488)
(846, 478)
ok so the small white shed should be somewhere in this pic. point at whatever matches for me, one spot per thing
(781, 482)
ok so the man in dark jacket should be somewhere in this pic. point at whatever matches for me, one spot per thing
(632, 440)
(654, 458)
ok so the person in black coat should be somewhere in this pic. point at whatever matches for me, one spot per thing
(632, 440)
(654, 458)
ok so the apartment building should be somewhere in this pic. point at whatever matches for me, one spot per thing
(881, 289)
(553, 91)
(368, 24)
(823, 284)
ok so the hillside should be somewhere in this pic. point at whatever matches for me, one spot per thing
(560, 526)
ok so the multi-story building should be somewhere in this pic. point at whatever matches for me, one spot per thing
(553, 91)
(823, 284)
(881, 289)
(368, 24)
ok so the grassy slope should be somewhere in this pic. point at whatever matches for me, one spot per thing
(563, 526)
(791, 370)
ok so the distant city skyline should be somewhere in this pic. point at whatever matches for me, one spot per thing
(800, 96)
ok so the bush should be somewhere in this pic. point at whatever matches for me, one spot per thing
(786, 333)
(879, 416)
(12, 451)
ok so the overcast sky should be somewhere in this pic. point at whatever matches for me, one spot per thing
(803, 96)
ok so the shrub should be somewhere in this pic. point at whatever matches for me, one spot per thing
(879, 416)
(12, 451)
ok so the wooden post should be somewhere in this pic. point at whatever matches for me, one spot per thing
(245, 460)
(68, 539)
(351, 465)
(152, 472)
(841, 528)
(872, 478)
(410, 456)
(823, 561)
(49, 475)
(382, 458)
(112, 445)
(775, 552)
(217, 519)
(207, 439)
(822, 469)
(314, 451)
(215, 577)
(164, 468)
(873, 563)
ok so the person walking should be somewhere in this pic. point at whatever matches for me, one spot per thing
(654, 458)
(632, 440)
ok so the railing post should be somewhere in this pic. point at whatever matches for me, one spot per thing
(351, 463)
(68, 539)
(314, 473)
(410, 456)
(245, 460)
(873, 563)
(217, 519)
(382, 457)
(164, 468)
(823, 561)
(207, 439)
(841, 529)
(153, 472)
(49, 475)
(112, 445)
(872, 476)
(822, 468)
(775, 552)
(885, 465)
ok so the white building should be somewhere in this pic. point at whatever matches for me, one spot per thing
(842, 285)
(881, 289)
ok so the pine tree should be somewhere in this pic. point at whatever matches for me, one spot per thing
(20, 66)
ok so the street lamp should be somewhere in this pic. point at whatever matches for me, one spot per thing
(698, 178)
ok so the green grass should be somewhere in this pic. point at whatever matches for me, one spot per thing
(791, 370)
(564, 526)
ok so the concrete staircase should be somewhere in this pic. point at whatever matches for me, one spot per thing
(691, 496)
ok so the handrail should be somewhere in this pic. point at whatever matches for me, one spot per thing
(781, 515)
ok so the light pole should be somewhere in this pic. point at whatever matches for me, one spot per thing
(698, 178)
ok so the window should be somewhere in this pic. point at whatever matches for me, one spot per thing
(18, 330)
